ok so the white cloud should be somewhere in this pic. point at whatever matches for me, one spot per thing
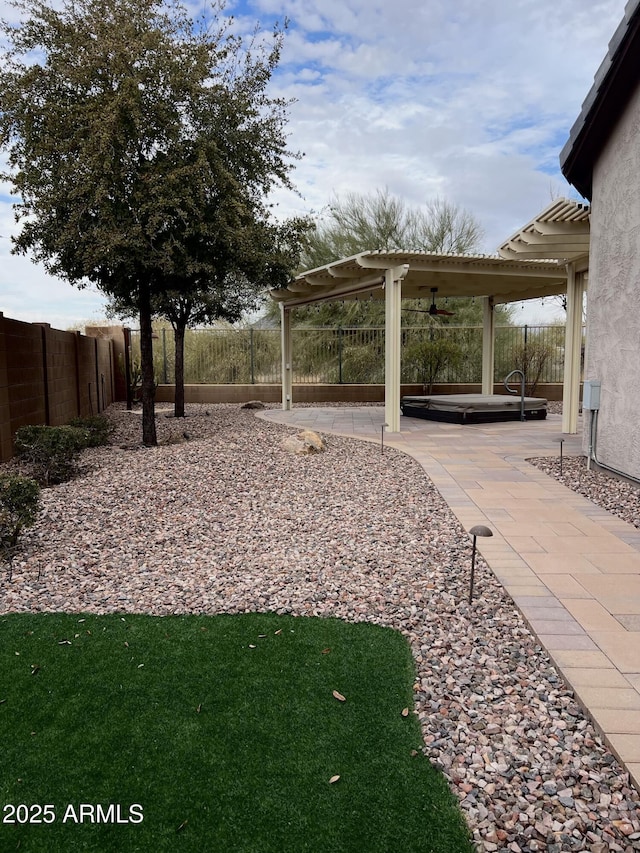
(469, 101)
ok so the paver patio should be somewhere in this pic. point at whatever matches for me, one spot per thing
(572, 568)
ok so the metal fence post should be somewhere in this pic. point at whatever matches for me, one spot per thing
(340, 355)
(164, 356)
(252, 358)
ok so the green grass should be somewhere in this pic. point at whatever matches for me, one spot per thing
(225, 747)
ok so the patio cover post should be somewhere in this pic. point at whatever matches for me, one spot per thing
(285, 349)
(392, 345)
(572, 350)
(488, 344)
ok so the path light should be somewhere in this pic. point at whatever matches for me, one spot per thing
(478, 530)
(382, 437)
(561, 440)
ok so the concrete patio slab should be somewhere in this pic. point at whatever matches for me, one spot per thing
(592, 615)
(621, 647)
(596, 679)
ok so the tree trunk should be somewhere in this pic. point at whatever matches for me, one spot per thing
(178, 406)
(146, 366)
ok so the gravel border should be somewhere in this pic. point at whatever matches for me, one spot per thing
(220, 518)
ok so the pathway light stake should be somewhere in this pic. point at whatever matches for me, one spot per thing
(561, 440)
(382, 437)
(478, 530)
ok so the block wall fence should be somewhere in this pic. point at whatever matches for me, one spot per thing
(48, 376)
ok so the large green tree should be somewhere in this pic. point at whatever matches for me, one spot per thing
(142, 145)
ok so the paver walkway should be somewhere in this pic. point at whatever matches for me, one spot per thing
(572, 568)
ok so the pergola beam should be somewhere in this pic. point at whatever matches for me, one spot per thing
(329, 294)
(561, 238)
(529, 253)
(550, 228)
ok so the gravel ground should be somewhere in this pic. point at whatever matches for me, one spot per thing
(225, 520)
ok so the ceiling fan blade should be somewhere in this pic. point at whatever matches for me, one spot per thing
(446, 313)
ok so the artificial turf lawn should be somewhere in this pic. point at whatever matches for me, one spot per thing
(223, 746)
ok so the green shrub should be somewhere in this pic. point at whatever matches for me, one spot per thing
(97, 427)
(19, 505)
(532, 358)
(430, 358)
(51, 452)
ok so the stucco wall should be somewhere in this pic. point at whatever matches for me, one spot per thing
(613, 308)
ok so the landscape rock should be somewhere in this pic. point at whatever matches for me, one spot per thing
(305, 443)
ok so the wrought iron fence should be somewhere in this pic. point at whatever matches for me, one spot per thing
(356, 355)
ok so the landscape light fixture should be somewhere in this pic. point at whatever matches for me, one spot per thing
(382, 437)
(478, 530)
(561, 441)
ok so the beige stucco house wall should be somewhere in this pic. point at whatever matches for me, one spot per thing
(602, 160)
(613, 315)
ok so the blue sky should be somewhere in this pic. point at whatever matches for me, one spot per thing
(467, 101)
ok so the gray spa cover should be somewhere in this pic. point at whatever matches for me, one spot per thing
(473, 402)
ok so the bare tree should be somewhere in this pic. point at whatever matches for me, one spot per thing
(445, 228)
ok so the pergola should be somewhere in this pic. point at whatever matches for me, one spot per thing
(545, 258)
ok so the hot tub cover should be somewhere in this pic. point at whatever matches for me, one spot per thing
(472, 407)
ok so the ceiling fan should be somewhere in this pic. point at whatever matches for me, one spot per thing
(433, 309)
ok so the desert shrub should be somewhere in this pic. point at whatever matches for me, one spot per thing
(363, 364)
(97, 428)
(19, 505)
(50, 452)
(532, 358)
(430, 358)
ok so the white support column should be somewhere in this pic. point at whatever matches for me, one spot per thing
(488, 344)
(393, 334)
(285, 349)
(572, 351)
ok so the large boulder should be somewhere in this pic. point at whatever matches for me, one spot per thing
(253, 404)
(304, 443)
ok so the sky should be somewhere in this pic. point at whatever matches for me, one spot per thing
(453, 99)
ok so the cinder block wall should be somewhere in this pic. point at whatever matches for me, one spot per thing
(48, 376)
(62, 397)
(24, 374)
(88, 397)
(112, 351)
(106, 373)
